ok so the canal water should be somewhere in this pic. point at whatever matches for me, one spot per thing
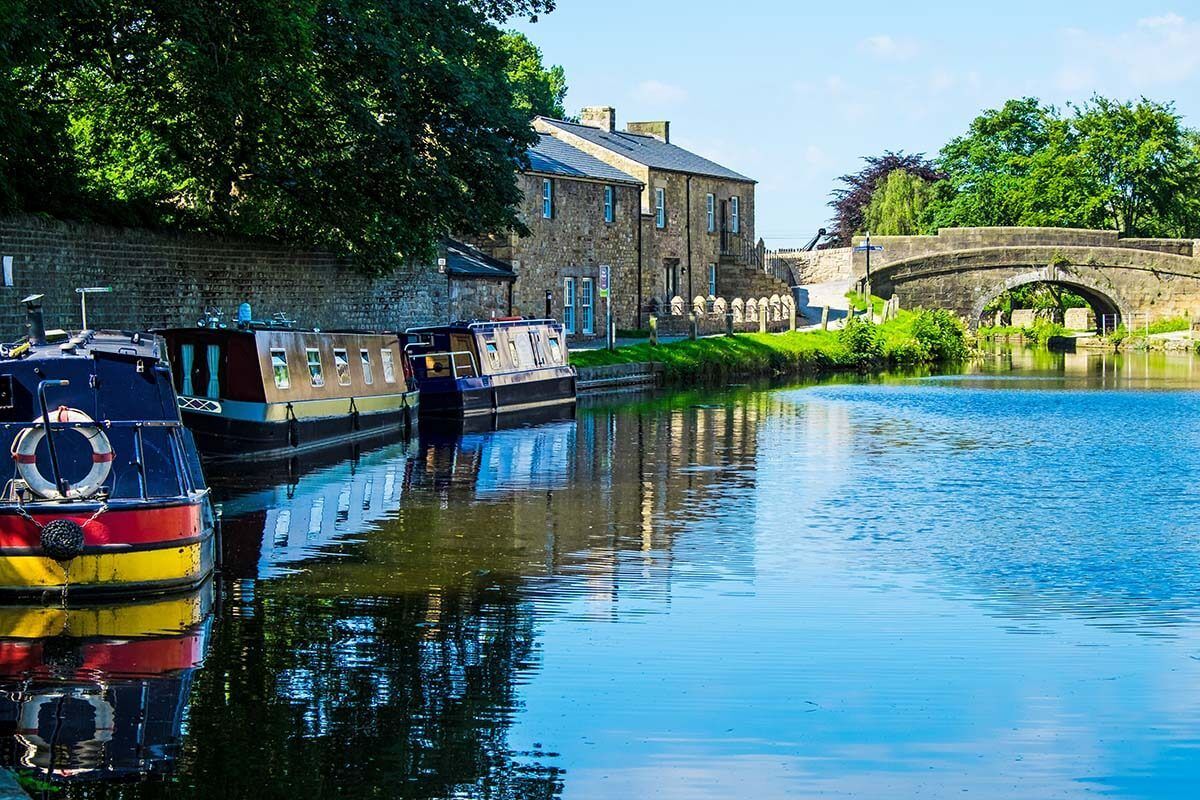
(983, 584)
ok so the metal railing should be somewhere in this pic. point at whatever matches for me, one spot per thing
(458, 363)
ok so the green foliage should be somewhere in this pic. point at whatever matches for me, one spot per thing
(862, 342)
(858, 302)
(899, 205)
(367, 127)
(1043, 331)
(1043, 296)
(1130, 167)
(537, 90)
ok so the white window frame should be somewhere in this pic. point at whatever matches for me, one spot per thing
(735, 214)
(610, 205)
(547, 198)
(712, 279)
(587, 296)
(315, 378)
(388, 364)
(281, 354)
(710, 206)
(660, 208)
(569, 304)
(364, 358)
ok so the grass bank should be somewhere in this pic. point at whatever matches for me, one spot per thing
(912, 338)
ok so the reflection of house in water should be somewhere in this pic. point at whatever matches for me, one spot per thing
(269, 531)
(99, 693)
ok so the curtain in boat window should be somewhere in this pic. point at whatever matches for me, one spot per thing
(214, 363)
(187, 355)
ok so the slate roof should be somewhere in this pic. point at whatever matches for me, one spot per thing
(652, 152)
(464, 261)
(556, 157)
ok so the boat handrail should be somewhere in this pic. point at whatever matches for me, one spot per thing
(453, 359)
(484, 323)
(103, 423)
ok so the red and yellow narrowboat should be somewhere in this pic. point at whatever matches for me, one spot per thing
(103, 494)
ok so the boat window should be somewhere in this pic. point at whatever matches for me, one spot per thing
(314, 366)
(555, 350)
(512, 351)
(187, 357)
(389, 369)
(365, 356)
(279, 366)
(159, 464)
(341, 363)
(213, 389)
(493, 354)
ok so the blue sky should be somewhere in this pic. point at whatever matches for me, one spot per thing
(794, 94)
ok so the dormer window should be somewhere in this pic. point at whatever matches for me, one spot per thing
(660, 208)
(547, 198)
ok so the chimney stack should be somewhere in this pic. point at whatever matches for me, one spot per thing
(660, 130)
(602, 117)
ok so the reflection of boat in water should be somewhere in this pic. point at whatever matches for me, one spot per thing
(269, 530)
(99, 693)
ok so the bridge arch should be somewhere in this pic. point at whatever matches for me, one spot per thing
(1102, 299)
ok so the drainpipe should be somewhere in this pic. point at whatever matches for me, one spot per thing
(689, 240)
(637, 220)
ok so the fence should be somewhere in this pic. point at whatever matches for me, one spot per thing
(774, 313)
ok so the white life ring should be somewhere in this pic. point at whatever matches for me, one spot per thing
(24, 453)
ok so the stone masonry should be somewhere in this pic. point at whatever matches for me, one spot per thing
(169, 279)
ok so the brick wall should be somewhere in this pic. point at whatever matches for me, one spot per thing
(168, 279)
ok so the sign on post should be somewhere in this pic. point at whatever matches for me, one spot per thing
(604, 280)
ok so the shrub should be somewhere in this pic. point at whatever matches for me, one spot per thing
(860, 337)
(941, 335)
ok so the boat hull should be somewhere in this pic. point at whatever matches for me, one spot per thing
(145, 549)
(268, 432)
(477, 397)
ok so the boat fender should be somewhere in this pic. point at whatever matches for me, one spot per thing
(62, 539)
(24, 453)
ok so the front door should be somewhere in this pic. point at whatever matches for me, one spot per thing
(671, 277)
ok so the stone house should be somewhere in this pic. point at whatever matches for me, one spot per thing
(697, 217)
(581, 214)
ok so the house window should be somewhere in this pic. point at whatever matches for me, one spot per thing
(547, 198)
(585, 303)
(389, 369)
(493, 354)
(660, 208)
(710, 206)
(609, 209)
(569, 305)
(365, 358)
(712, 280)
(283, 379)
(341, 365)
(314, 366)
(735, 216)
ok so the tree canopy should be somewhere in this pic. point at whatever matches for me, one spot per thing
(1127, 166)
(899, 204)
(368, 127)
(536, 89)
(850, 201)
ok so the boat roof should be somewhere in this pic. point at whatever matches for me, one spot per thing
(484, 324)
(85, 344)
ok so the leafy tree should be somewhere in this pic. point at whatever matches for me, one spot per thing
(536, 89)
(369, 127)
(851, 199)
(899, 204)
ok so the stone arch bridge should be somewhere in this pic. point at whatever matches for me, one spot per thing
(963, 269)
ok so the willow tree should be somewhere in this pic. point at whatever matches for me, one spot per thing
(899, 205)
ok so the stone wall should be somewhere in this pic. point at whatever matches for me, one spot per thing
(169, 279)
(817, 266)
(480, 298)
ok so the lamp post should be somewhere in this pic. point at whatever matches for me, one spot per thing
(867, 247)
(83, 292)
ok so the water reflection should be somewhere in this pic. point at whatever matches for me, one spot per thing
(99, 694)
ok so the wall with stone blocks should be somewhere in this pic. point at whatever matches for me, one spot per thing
(164, 279)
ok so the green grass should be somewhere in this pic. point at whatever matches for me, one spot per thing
(858, 302)
(914, 337)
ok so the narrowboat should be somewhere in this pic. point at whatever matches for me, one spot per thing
(100, 693)
(468, 369)
(104, 494)
(266, 389)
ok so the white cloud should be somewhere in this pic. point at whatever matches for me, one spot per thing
(889, 48)
(1155, 52)
(659, 94)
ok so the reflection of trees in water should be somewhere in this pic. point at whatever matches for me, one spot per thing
(405, 697)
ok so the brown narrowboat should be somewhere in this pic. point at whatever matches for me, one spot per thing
(265, 390)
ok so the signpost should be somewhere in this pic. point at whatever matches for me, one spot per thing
(868, 248)
(605, 279)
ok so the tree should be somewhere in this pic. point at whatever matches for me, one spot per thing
(536, 90)
(850, 201)
(899, 205)
(368, 127)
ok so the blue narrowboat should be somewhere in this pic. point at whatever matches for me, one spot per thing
(475, 368)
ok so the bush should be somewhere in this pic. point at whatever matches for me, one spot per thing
(1043, 331)
(941, 335)
(861, 339)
